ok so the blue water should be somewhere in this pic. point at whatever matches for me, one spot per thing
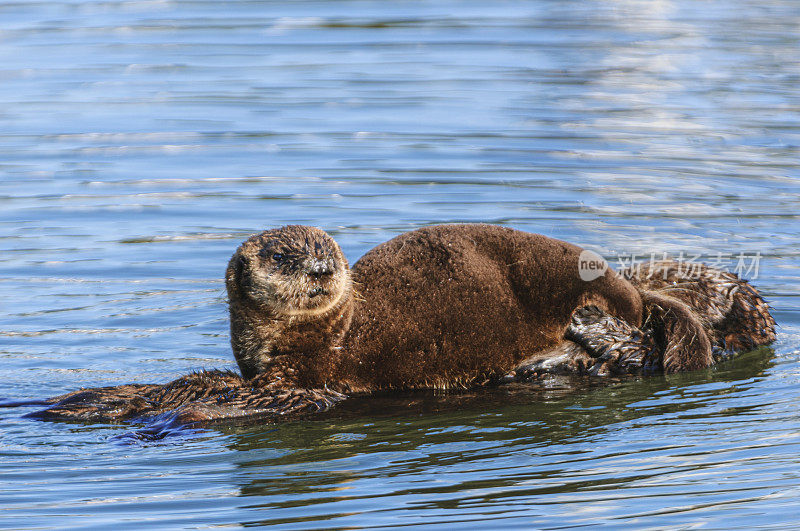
(141, 141)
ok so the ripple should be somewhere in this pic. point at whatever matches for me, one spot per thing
(143, 141)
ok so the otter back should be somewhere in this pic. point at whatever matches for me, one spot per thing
(454, 305)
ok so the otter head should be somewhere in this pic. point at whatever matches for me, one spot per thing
(290, 303)
(293, 271)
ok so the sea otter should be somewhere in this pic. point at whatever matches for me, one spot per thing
(448, 306)
(443, 306)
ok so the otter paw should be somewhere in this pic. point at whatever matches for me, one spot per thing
(567, 358)
(616, 346)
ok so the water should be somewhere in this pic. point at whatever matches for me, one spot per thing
(141, 141)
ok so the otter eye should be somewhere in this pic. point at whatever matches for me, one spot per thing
(277, 257)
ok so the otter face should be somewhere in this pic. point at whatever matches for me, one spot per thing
(291, 271)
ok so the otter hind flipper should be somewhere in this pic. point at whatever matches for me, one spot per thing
(597, 344)
(618, 347)
(672, 338)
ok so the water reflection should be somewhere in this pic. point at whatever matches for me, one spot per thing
(503, 452)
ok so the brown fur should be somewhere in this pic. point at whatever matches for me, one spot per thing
(456, 305)
(679, 333)
(198, 397)
(615, 346)
(694, 315)
(732, 313)
(276, 326)
(444, 306)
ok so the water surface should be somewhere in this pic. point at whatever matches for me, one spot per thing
(141, 141)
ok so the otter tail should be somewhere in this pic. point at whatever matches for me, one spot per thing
(204, 397)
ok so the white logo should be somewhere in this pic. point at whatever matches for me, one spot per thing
(591, 265)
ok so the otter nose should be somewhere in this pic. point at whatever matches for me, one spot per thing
(317, 268)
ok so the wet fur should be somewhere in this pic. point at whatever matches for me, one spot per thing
(420, 317)
(731, 311)
(458, 305)
(198, 397)
(694, 315)
(448, 306)
(276, 326)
